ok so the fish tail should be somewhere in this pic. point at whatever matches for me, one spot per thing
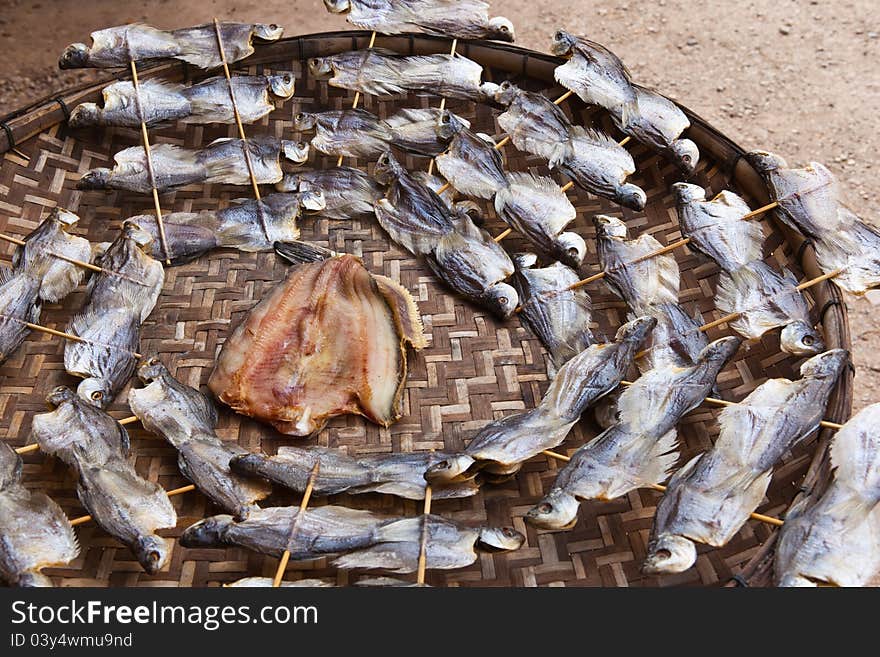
(661, 459)
(300, 253)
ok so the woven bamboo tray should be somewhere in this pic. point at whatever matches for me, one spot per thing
(475, 369)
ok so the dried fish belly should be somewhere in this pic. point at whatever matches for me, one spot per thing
(392, 474)
(329, 340)
(121, 502)
(205, 102)
(34, 532)
(186, 418)
(465, 19)
(710, 498)
(222, 161)
(117, 46)
(349, 132)
(581, 381)
(833, 538)
(348, 193)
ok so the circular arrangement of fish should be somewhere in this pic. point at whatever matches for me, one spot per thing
(395, 343)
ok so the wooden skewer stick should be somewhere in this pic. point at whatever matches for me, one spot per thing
(60, 334)
(244, 142)
(659, 487)
(34, 447)
(443, 104)
(653, 254)
(423, 545)
(357, 94)
(761, 210)
(504, 234)
(285, 558)
(171, 493)
(149, 155)
(60, 256)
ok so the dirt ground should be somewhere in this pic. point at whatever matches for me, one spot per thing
(799, 77)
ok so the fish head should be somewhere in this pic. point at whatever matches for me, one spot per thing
(282, 85)
(64, 218)
(305, 121)
(505, 93)
(688, 193)
(558, 510)
(84, 114)
(501, 299)
(494, 539)
(721, 350)
(320, 67)
(449, 125)
(96, 392)
(312, 200)
(337, 6)
(95, 179)
(58, 396)
(142, 238)
(268, 32)
(765, 161)
(801, 339)
(563, 44)
(669, 553)
(827, 365)
(571, 249)
(449, 469)
(632, 197)
(150, 369)
(609, 227)
(636, 330)
(295, 151)
(470, 210)
(205, 533)
(76, 55)
(387, 169)
(687, 155)
(34, 580)
(501, 29)
(152, 552)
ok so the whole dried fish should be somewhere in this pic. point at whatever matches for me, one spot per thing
(559, 316)
(592, 159)
(186, 418)
(38, 256)
(34, 532)
(119, 500)
(205, 102)
(834, 538)
(401, 474)
(458, 252)
(348, 132)
(641, 449)
(222, 161)
(117, 46)
(472, 164)
(582, 380)
(598, 77)
(711, 497)
(381, 72)
(810, 200)
(415, 130)
(348, 193)
(329, 340)
(239, 226)
(19, 303)
(465, 19)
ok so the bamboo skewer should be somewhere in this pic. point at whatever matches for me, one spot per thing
(62, 334)
(285, 558)
(238, 123)
(171, 493)
(423, 544)
(149, 156)
(357, 94)
(443, 104)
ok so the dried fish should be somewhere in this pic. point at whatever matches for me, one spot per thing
(19, 303)
(381, 72)
(472, 164)
(558, 315)
(641, 449)
(34, 532)
(117, 46)
(239, 226)
(811, 201)
(458, 252)
(592, 159)
(415, 130)
(401, 474)
(659, 124)
(186, 418)
(711, 497)
(205, 102)
(465, 19)
(222, 161)
(348, 193)
(513, 439)
(834, 538)
(38, 256)
(119, 500)
(348, 132)
(329, 340)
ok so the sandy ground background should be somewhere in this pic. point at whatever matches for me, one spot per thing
(799, 77)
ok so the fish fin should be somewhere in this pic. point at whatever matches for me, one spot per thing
(300, 253)
(661, 458)
(388, 556)
(405, 311)
(418, 237)
(646, 397)
(855, 453)
(661, 272)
